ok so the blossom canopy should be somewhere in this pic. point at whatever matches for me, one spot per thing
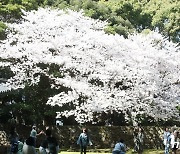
(135, 76)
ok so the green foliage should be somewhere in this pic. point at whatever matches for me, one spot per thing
(124, 16)
(61, 4)
(49, 2)
(5, 72)
(146, 14)
(3, 28)
(30, 4)
(76, 4)
(110, 30)
(165, 17)
(146, 31)
(10, 11)
(4, 114)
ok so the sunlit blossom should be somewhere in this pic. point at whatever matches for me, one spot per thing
(139, 75)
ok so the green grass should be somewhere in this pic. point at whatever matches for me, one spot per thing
(79, 153)
(128, 152)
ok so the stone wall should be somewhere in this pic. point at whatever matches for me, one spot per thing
(102, 137)
(106, 137)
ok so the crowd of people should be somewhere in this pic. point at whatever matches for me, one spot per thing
(171, 141)
(50, 145)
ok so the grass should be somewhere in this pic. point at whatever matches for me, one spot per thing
(128, 152)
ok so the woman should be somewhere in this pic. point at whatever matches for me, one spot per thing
(84, 141)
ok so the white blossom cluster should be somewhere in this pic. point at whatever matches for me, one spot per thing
(136, 76)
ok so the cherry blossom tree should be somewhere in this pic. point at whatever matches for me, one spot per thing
(104, 73)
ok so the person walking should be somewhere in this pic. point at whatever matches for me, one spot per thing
(84, 141)
(120, 148)
(166, 140)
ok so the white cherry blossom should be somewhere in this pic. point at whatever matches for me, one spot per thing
(136, 76)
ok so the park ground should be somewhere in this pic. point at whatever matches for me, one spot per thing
(128, 152)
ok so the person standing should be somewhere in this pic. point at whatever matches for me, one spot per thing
(135, 133)
(20, 146)
(139, 140)
(120, 147)
(84, 140)
(166, 140)
(13, 138)
(175, 141)
(28, 147)
(49, 145)
(34, 134)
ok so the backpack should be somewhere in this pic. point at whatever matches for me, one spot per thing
(14, 147)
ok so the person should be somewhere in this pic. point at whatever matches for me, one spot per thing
(34, 134)
(84, 140)
(120, 147)
(49, 145)
(28, 147)
(135, 133)
(13, 138)
(166, 140)
(175, 141)
(138, 140)
(20, 146)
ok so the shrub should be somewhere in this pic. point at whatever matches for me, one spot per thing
(3, 28)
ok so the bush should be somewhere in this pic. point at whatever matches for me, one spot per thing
(3, 28)
(30, 4)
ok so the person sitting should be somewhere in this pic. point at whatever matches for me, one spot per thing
(120, 147)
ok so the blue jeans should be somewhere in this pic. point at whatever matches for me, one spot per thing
(166, 150)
